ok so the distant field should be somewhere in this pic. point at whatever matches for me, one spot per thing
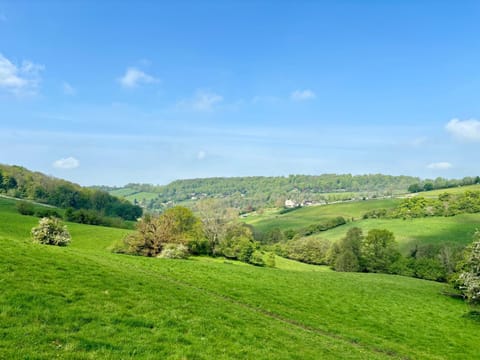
(82, 302)
(131, 194)
(303, 217)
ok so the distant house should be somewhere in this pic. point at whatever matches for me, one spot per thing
(290, 203)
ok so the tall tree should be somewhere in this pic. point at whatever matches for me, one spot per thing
(349, 251)
(379, 250)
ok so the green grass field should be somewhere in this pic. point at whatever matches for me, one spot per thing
(303, 217)
(131, 194)
(82, 302)
(457, 229)
(455, 190)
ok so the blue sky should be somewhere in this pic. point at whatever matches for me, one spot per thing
(144, 91)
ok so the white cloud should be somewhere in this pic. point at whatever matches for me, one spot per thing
(439, 166)
(134, 77)
(68, 89)
(66, 163)
(468, 130)
(202, 101)
(19, 80)
(201, 155)
(301, 95)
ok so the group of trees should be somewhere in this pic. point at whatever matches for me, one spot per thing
(22, 183)
(375, 252)
(418, 206)
(178, 233)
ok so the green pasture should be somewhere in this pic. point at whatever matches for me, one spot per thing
(457, 229)
(306, 216)
(83, 302)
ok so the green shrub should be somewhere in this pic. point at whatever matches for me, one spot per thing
(199, 246)
(50, 231)
(174, 251)
(25, 208)
(46, 212)
(256, 258)
(270, 259)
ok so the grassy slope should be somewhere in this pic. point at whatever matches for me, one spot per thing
(456, 229)
(82, 302)
(131, 194)
(456, 190)
(314, 214)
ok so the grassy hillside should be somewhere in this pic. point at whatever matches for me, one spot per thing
(83, 302)
(457, 229)
(132, 194)
(303, 217)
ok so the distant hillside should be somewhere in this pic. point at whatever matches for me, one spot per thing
(19, 182)
(247, 193)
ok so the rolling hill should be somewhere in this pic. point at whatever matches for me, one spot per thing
(430, 230)
(84, 302)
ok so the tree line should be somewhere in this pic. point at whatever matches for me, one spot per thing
(21, 183)
(249, 193)
(442, 183)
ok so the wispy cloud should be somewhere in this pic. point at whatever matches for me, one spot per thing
(203, 100)
(134, 77)
(302, 95)
(66, 163)
(439, 166)
(468, 130)
(19, 80)
(68, 89)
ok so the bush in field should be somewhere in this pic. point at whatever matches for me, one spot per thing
(270, 259)
(50, 231)
(25, 208)
(469, 279)
(238, 243)
(174, 251)
(256, 258)
(308, 250)
(45, 212)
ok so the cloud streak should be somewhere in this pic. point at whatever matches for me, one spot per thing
(467, 130)
(203, 100)
(302, 95)
(19, 80)
(439, 166)
(134, 77)
(66, 163)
